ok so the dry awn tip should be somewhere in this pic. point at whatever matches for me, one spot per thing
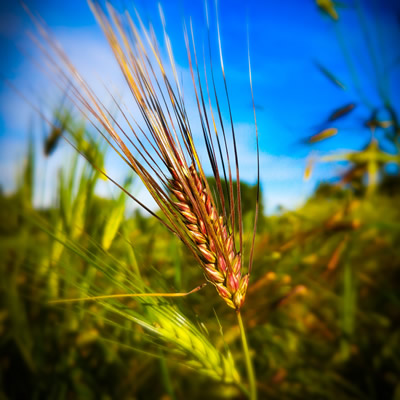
(124, 295)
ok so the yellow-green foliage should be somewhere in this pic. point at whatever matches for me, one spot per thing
(323, 302)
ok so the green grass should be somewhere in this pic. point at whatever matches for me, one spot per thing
(321, 312)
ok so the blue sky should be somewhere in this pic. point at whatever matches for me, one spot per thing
(293, 98)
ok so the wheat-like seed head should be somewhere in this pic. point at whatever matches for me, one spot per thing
(170, 327)
(166, 158)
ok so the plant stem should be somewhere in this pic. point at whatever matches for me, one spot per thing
(249, 365)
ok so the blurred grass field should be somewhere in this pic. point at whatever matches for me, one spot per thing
(322, 311)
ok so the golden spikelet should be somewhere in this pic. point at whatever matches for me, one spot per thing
(221, 263)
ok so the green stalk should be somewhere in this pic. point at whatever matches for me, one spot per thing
(249, 366)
